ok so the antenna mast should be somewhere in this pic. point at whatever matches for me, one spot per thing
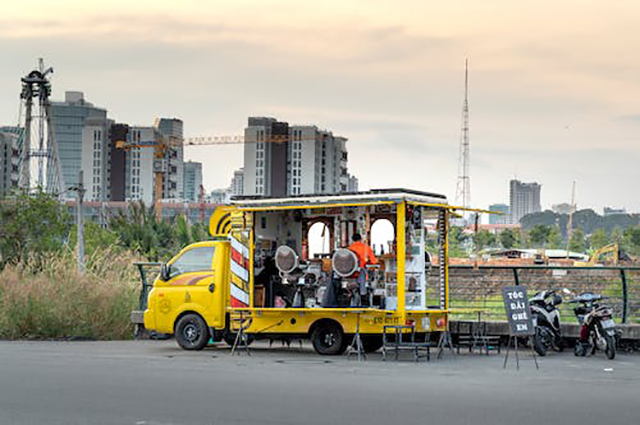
(571, 211)
(463, 189)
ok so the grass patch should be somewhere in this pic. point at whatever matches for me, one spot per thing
(47, 299)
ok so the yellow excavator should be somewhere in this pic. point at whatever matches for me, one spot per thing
(600, 257)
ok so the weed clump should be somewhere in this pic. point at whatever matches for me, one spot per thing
(45, 298)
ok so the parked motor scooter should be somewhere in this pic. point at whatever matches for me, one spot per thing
(597, 331)
(546, 320)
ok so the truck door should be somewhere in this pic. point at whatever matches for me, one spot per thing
(191, 285)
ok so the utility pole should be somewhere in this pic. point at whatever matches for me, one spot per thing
(80, 222)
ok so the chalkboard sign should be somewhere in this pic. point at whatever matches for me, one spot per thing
(518, 311)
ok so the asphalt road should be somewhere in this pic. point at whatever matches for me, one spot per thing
(156, 383)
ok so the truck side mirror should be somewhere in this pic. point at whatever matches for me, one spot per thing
(165, 272)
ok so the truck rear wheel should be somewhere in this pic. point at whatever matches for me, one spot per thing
(192, 332)
(328, 339)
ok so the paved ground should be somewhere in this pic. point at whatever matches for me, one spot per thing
(155, 383)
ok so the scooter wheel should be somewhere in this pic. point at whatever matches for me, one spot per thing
(580, 349)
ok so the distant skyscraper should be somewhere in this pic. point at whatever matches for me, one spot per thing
(564, 208)
(613, 211)
(524, 199)
(68, 119)
(503, 217)
(220, 196)
(237, 183)
(308, 161)
(192, 181)
(352, 185)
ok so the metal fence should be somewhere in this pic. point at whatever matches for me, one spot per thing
(148, 271)
(480, 287)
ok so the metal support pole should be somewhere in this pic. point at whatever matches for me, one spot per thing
(625, 295)
(25, 166)
(80, 223)
(516, 278)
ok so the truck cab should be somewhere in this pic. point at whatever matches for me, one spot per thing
(189, 296)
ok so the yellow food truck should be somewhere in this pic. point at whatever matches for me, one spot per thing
(262, 275)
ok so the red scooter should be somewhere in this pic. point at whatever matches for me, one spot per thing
(598, 330)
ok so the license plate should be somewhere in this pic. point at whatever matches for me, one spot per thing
(426, 323)
(609, 323)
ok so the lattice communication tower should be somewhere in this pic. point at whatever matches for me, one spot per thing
(39, 145)
(463, 189)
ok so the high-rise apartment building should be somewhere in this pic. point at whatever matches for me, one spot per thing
(192, 181)
(68, 120)
(524, 198)
(133, 170)
(96, 157)
(139, 163)
(282, 160)
(173, 184)
(9, 159)
(502, 216)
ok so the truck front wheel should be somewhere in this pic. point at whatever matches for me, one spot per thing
(192, 332)
(328, 339)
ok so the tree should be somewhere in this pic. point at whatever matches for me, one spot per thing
(158, 240)
(539, 235)
(555, 238)
(598, 239)
(578, 241)
(96, 237)
(632, 239)
(508, 238)
(457, 239)
(31, 225)
(616, 235)
(484, 239)
(139, 230)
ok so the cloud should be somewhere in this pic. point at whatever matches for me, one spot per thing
(550, 85)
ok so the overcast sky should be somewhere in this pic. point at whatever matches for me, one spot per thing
(554, 85)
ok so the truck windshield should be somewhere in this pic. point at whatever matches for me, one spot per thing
(194, 260)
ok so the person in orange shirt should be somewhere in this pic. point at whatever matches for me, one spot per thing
(365, 256)
(363, 251)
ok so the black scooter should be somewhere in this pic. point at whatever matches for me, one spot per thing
(546, 320)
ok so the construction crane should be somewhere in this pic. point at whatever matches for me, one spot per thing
(160, 146)
(163, 143)
(230, 140)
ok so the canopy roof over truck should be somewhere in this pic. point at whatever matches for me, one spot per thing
(369, 197)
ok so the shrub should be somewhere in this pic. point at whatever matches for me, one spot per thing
(45, 298)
